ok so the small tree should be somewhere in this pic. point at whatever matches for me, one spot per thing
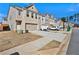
(63, 19)
(68, 28)
(70, 17)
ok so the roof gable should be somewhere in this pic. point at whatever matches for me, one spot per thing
(32, 8)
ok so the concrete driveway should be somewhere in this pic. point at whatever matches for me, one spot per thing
(30, 47)
(51, 35)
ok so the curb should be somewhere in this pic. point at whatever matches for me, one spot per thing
(67, 39)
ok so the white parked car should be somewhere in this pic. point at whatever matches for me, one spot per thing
(55, 28)
(44, 28)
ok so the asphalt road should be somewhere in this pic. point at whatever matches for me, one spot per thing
(73, 48)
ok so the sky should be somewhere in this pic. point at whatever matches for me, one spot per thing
(56, 9)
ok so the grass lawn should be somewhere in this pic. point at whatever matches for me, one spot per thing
(10, 39)
(52, 44)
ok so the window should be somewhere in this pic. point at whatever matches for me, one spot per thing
(18, 22)
(42, 18)
(32, 7)
(39, 17)
(32, 15)
(27, 13)
(36, 16)
(19, 12)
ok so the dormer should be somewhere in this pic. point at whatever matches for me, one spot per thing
(32, 8)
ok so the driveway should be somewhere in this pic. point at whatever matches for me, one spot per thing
(51, 35)
(30, 47)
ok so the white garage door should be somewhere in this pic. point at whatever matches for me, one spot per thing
(31, 27)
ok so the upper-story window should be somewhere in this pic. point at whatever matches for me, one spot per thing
(19, 12)
(32, 7)
(39, 17)
(42, 19)
(36, 16)
(32, 15)
(27, 13)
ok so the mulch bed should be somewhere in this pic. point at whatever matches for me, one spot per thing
(50, 45)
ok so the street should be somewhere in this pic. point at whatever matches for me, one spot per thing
(73, 48)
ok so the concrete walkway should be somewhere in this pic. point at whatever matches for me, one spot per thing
(73, 48)
(28, 48)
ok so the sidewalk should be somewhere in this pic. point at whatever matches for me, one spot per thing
(28, 48)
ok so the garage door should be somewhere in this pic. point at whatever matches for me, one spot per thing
(31, 27)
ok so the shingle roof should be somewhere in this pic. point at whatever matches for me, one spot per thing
(30, 5)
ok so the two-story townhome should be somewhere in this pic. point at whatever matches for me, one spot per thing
(27, 18)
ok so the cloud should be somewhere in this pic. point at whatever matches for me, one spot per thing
(74, 7)
(71, 9)
(2, 15)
